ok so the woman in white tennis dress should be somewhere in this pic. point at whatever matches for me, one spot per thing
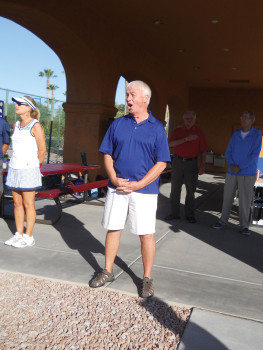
(24, 177)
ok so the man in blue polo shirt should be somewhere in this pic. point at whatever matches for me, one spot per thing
(135, 151)
(242, 158)
(4, 144)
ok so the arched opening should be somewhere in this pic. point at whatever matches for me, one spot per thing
(120, 98)
(167, 120)
(20, 75)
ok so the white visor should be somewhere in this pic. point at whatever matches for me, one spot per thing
(23, 99)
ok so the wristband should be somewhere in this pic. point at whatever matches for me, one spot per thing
(40, 165)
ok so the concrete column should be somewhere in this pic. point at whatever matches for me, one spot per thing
(85, 127)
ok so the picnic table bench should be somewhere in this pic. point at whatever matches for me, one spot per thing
(56, 193)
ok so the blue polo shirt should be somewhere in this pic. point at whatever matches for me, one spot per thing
(244, 152)
(4, 134)
(135, 148)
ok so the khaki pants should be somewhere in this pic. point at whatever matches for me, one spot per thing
(245, 186)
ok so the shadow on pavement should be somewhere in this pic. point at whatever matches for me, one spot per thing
(86, 244)
(167, 317)
(247, 249)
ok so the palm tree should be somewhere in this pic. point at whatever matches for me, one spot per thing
(52, 87)
(47, 73)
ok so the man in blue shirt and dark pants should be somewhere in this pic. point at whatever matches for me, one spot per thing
(135, 150)
(242, 157)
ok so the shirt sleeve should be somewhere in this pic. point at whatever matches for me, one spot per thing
(106, 146)
(253, 155)
(162, 147)
(6, 133)
(228, 154)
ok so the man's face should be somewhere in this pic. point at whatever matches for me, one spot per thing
(246, 121)
(136, 100)
(189, 120)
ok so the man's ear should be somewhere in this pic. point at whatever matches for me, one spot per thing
(146, 98)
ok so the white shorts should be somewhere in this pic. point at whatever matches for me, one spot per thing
(137, 208)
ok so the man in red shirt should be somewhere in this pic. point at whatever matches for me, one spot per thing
(188, 142)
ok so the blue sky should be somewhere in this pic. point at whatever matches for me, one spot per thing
(23, 56)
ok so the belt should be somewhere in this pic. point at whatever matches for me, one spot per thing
(184, 159)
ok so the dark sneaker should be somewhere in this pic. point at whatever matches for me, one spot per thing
(191, 219)
(245, 231)
(218, 225)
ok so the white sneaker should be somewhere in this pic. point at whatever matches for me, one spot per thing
(17, 236)
(26, 241)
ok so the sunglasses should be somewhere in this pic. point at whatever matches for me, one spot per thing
(21, 104)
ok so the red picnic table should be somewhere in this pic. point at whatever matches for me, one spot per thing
(65, 168)
(67, 188)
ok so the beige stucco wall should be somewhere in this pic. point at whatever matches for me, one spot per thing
(94, 60)
(219, 110)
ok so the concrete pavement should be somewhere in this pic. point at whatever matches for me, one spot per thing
(218, 273)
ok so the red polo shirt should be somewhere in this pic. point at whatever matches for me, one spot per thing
(189, 149)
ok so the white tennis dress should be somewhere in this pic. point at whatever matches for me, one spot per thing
(23, 171)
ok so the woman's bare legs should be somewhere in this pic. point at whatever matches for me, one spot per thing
(29, 205)
(24, 201)
(19, 211)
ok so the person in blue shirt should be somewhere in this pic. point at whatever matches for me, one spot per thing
(242, 157)
(4, 144)
(135, 150)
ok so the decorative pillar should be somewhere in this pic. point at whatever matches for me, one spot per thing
(85, 127)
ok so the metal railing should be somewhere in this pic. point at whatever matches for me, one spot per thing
(52, 119)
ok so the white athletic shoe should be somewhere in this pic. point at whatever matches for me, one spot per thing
(26, 241)
(17, 236)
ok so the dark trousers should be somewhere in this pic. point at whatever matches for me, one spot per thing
(184, 172)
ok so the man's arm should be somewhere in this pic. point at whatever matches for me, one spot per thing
(5, 148)
(153, 173)
(108, 163)
(254, 154)
(6, 137)
(228, 153)
(178, 142)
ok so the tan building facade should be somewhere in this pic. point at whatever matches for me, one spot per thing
(188, 61)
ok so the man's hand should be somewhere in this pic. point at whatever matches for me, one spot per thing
(191, 137)
(119, 181)
(128, 187)
(234, 168)
(179, 142)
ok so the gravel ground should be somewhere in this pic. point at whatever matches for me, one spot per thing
(42, 314)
